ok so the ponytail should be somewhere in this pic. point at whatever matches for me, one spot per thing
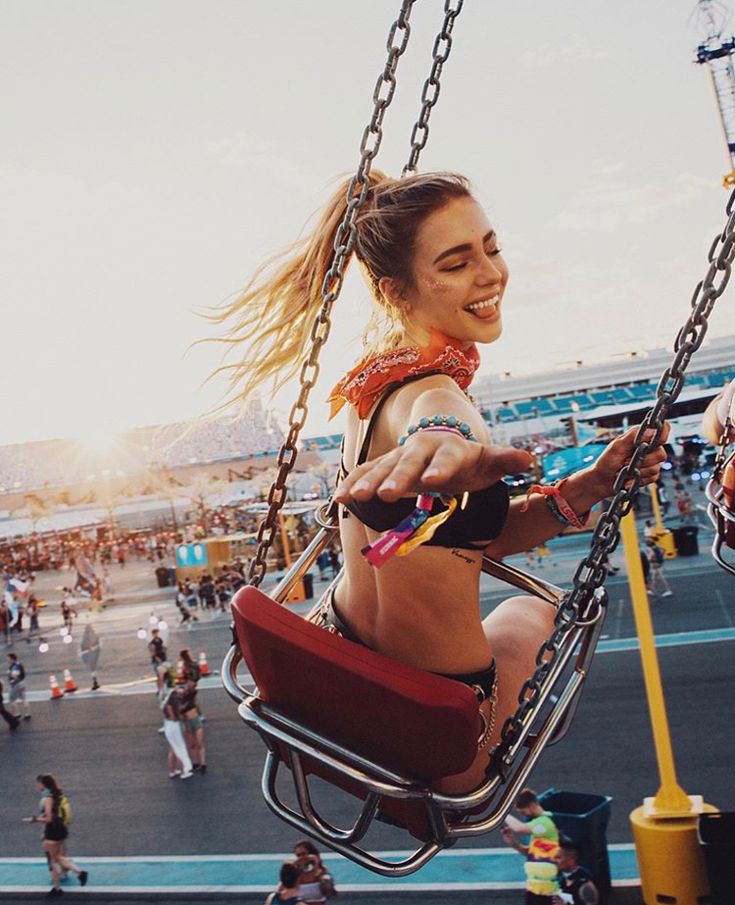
(271, 320)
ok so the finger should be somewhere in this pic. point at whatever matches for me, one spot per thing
(364, 480)
(421, 468)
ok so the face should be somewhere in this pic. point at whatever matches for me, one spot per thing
(459, 275)
(304, 859)
(563, 861)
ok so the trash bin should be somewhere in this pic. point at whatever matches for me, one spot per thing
(686, 541)
(584, 819)
(308, 580)
(162, 576)
(716, 834)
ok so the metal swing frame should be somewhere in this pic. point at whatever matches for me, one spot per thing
(548, 699)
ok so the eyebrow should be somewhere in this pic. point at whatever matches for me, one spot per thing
(458, 249)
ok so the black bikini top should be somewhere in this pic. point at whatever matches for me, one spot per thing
(482, 518)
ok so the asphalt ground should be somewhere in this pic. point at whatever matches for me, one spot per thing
(105, 748)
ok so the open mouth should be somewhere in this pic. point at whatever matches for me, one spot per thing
(485, 307)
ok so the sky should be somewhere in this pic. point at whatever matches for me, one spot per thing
(155, 152)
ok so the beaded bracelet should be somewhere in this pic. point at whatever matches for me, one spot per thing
(558, 505)
(440, 422)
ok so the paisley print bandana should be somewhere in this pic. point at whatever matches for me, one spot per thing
(366, 382)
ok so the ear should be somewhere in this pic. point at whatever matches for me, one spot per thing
(391, 291)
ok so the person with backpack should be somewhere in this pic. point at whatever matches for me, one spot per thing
(55, 816)
(656, 560)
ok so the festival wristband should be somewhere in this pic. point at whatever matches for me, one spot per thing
(558, 506)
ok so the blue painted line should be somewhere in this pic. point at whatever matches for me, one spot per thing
(456, 869)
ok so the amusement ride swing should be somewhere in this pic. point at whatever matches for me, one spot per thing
(389, 755)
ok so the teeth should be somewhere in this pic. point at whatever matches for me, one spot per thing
(488, 303)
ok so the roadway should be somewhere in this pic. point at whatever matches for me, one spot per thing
(106, 751)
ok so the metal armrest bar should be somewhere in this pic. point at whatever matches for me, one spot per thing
(522, 580)
(303, 563)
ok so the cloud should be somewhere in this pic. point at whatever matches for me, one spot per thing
(576, 50)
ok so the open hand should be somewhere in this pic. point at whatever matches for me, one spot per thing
(432, 461)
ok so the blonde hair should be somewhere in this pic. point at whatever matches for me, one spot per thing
(272, 319)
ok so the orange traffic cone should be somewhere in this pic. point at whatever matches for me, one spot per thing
(203, 665)
(69, 685)
(55, 690)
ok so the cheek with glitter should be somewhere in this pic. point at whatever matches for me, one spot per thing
(435, 285)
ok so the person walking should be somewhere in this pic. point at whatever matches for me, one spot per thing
(540, 850)
(17, 688)
(10, 718)
(576, 885)
(656, 560)
(55, 816)
(89, 651)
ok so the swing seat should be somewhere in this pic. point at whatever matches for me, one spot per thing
(720, 492)
(381, 709)
(382, 731)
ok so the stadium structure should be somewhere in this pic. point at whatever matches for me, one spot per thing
(612, 394)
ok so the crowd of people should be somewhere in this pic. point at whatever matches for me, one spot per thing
(59, 463)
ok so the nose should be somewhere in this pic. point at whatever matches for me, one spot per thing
(492, 271)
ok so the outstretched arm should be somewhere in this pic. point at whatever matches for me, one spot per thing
(532, 524)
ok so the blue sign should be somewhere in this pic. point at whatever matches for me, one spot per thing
(565, 462)
(189, 555)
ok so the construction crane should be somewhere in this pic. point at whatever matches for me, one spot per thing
(717, 52)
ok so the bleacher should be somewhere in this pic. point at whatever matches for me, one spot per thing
(568, 403)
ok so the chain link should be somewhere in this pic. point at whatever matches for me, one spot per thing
(579, 606)
(344, 242)
(432, 86)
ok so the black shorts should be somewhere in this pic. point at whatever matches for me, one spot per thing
(56, 831)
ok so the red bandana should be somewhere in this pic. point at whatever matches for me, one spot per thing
(366, 382)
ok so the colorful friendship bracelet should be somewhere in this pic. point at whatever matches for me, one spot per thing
(558, 505)
(439, 422)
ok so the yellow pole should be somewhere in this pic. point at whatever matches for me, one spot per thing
(653, 490)
(670, 797)
(670, 860)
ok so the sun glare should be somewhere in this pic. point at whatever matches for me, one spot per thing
(97, 438)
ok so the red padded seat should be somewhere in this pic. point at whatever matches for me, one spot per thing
(407, 720)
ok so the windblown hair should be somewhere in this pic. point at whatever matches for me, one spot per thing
(271, 321)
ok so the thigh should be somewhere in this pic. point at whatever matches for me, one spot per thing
(515, 631)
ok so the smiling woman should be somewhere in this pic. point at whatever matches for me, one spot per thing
(431, 259)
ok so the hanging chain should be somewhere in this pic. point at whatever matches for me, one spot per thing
(430, 92)
(578, 607)
(343, 244)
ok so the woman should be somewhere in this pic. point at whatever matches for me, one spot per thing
(192, 723)
(438, 279)
(179, 761)
(54, 833)
(315, 883)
